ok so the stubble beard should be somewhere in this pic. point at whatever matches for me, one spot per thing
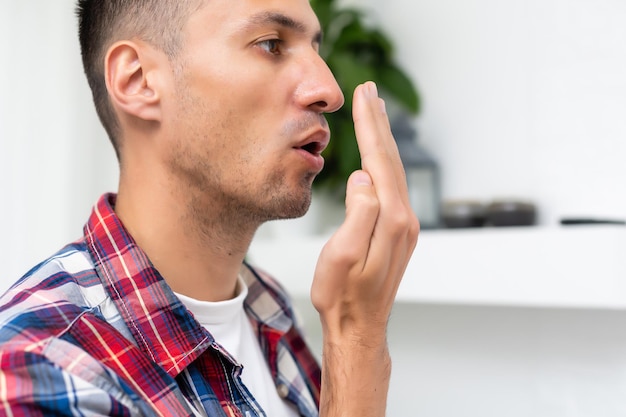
(273, 200)
(218, 198)
(238, 210)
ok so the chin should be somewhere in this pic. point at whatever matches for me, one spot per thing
(290, 206)
(283, 200)
(293, 208)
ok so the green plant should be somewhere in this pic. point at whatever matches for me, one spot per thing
(355, 53)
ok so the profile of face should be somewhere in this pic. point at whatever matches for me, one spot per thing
(244, 114)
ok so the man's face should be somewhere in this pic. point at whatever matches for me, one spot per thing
(247, 102)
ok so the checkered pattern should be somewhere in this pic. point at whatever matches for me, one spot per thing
(96, 330)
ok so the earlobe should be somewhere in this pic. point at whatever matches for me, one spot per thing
(127, 79)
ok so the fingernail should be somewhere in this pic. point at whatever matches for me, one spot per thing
(373, 89)
(383, 106)
(361, 178)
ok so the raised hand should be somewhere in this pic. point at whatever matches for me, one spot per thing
(360, 269)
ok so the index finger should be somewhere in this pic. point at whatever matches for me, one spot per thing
(378, 149)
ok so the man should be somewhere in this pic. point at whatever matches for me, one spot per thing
(215, 109)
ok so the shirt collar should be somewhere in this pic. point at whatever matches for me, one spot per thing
(159, 322)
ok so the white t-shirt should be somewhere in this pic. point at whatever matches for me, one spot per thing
(231, 328)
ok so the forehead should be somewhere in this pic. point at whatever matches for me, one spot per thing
(229, 16)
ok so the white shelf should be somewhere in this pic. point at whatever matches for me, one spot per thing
(562, 267)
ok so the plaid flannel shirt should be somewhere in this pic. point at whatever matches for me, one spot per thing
(96, 330)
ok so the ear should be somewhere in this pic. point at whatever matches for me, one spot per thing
(129, 76)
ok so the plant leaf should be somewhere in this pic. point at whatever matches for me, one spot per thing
(349, 74)
(399, 86)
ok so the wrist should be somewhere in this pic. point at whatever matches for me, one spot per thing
(343, 330)
(355, 379)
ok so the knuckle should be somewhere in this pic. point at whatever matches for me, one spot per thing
(349, 256)
(344, 256)
(403, 224)
(371, 203)
(366, 202)
(414, 226)
(399, 221)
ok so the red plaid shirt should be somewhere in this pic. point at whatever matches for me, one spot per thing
(96, 330)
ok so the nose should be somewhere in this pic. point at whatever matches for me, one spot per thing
(318, 89)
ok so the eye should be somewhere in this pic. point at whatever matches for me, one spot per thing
(271, 46)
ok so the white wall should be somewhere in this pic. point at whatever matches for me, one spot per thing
(54, 157)
(522, 98)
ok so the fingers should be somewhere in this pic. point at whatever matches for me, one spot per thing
(397, 227)
(379, 152)
(354, 235)
(361, 266)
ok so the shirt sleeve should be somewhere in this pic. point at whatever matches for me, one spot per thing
(31, 385)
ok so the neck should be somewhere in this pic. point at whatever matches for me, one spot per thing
(197, 245)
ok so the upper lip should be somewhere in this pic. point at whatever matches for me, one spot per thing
(315, 142)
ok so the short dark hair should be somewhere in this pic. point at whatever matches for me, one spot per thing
(103, 22)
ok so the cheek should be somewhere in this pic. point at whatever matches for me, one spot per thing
(234, 123)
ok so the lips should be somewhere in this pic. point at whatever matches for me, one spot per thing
(315, 143)
(311, 147)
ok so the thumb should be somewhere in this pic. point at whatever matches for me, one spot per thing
(349, 246)
(358, 178)
(362, 209)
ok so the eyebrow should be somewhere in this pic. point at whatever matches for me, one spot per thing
(265, 18)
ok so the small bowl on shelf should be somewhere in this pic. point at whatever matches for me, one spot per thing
(463, 214)
(511, 213)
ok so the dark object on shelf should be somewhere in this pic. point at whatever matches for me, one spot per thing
(422, 174)
(461, 214)
(511, 213)
(582, 220)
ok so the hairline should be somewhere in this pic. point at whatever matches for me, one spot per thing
(136, 25)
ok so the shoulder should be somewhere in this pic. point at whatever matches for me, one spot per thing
(49, 296)
(36, 384)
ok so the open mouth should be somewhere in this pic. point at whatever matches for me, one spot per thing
(314, 148)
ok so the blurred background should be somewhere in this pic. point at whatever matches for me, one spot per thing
(55, 158)
(520, 100)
